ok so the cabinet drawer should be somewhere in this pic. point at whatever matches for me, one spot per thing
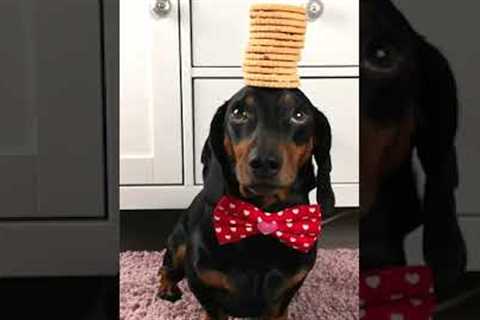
(336, 97)
(220, 33)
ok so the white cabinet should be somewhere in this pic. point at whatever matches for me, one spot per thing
(150, 96)
(178, 68)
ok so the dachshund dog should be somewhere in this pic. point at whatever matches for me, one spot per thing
(260, 150)
(408, 105)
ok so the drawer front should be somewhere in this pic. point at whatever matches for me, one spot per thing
(220, 33)
(336, 97)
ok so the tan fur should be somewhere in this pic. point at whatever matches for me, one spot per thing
(383, 149)
(294, 157)
(216, 279)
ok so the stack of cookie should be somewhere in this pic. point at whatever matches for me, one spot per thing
(277, 34)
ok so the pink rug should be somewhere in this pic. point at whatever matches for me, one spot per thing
(329, 293)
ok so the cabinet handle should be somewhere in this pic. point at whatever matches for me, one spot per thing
(161, 8)
(315, 9)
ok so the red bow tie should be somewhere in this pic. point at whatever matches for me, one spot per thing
(297, 227)
(399, 293)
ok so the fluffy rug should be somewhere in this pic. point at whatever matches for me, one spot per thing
(329, 293)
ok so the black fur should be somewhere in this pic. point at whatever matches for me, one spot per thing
(257, 266)
(414, 80)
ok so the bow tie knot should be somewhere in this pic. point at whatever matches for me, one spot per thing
(297, 227)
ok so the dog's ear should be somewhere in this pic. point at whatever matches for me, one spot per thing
(443, 245)
(321, 153)
(216, 171)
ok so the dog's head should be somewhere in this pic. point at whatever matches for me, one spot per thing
(263, 141)
(389, 89)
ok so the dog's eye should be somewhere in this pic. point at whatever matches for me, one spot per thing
(382, 55)
(239, 115)
(298, 117)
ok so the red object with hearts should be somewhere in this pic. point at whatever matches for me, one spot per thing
(297, 227)
(397, 293)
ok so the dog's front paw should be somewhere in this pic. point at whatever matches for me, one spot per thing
(170, 293)
(168, 289)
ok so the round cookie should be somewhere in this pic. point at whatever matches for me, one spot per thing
(272, 56)
(273, 84)
(272, 49)
(276, 43)
(278, 15)
(277, 36)
(270, 63)
(277, 7)
(277, 22)
(270, 70)
(282, 29)
(270, 77)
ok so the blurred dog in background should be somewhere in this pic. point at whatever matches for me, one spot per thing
(408, 105)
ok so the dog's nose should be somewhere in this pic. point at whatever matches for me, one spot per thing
(265, 166)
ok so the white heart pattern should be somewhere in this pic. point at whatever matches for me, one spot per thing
(362, 313)
(216, 218)
(218, 229)
(246, 213)
(289, 224)
(412, 278)
(416, 302)
(312, 210)
(232, 206)
(305, 227)
(279, 233)
(233, 229)
(396, 296)
(396, 316)
(295, 211)
(248, 229)
(373, 281)
(228, 237)
(292, 239)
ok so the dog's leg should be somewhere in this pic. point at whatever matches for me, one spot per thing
(215, 315)
(283, 316)
(172, 271)
(281, 293)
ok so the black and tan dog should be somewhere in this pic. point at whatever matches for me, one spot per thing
(408, 105)
(259, 149)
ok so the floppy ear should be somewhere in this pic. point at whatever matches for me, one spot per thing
(443, 244)
(216, 171)
(321, 154)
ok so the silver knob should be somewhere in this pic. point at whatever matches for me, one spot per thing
(161, 8)
(314, 9)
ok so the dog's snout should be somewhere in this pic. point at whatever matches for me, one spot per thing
(265, 165)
